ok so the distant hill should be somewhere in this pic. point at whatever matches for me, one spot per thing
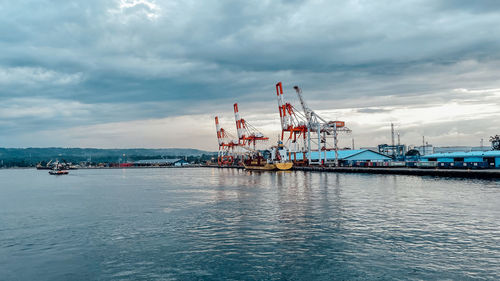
(29, 156)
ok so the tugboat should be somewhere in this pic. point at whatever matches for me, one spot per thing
(58, 170)
(279, 157)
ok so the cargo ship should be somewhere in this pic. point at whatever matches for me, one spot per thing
(259, 163)
(48, 166)
(275, 161)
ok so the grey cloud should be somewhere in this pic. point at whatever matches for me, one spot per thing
(372, 110)
(168, 58)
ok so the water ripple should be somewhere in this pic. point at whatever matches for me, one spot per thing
(214, 224)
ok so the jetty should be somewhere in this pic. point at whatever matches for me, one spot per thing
(456, 173)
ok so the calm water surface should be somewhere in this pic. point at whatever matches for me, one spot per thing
(215, 224)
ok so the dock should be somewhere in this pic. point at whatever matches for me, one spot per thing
(460, 173)
(456, 173)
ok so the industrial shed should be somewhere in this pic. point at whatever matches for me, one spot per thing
(162, 162)
(490, 157)
(347, 156)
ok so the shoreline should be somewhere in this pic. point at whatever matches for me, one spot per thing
(456, 173)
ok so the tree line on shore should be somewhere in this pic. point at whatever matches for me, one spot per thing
(29, 157)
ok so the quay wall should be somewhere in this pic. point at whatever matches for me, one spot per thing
(459, 173)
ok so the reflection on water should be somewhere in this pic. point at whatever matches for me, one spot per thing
(161, 224)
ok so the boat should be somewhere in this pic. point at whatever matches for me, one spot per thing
(259, 163)
(279, 156)
(58, 172)
(284, 166)
(275, 160)
(59, 169)
(269, 166)
(48, 166)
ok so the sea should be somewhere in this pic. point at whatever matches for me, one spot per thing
(230, 224)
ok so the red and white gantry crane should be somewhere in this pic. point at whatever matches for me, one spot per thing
(307, 130)
(227, 145)
(247, 134)
(293, 127)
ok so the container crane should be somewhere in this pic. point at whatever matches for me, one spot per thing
(294, 123)
(323, 129)
(247, 134)
(226, 145)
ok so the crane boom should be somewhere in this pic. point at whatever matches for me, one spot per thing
(307, 111)
(247, 134)
(322, 128)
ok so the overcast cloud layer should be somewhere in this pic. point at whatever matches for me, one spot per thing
(139, 73)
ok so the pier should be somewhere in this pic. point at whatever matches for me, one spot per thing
(457, 173)
(461, 173)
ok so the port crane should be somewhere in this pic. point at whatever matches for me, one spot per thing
(247, 134)
(293, 126)
(227, 145)
(323, 129)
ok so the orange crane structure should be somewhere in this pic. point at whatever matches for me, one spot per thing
(293, 127)
(309, 128)
(247, 134)
(227, 145)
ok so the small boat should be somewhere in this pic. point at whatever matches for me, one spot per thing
(58, 172)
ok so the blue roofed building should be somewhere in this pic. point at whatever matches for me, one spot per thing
(491, 157)
(347, 156)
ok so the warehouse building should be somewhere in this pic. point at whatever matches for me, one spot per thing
(488, 159)
(161, 162)
(349, 157)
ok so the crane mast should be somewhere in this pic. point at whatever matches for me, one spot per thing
(226, 145)
(247, 134)
(293, 123)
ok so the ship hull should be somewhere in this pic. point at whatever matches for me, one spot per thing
(265, 167)
(270, 167)
(58, 173)
(284, 166)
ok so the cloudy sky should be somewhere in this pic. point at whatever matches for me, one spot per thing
(145, 73)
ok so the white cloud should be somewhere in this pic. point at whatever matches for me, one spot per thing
(182, 132)
(37, 76)
(43, 109)
(132, 9)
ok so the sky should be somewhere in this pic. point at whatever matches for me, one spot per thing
(153, 74)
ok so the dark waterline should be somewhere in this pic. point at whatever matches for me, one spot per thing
(213, 224)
